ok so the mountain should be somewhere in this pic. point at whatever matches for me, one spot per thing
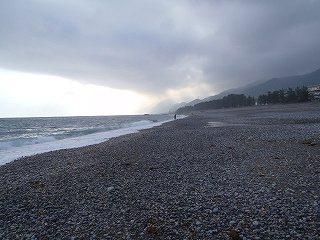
(176, 106)
(273, 84)
(261, 87)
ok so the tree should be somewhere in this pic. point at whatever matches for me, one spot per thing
(291, 96)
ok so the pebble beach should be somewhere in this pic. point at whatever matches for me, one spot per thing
(247, 173)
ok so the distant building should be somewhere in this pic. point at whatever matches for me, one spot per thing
(315, 91)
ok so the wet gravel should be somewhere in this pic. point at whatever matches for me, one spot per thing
(256, 177)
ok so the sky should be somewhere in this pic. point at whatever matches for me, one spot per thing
(97, 57)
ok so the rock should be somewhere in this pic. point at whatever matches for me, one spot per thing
(255, 223)
(151, 229)
(234, 235)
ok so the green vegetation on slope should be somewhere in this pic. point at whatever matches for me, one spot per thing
(240, 100)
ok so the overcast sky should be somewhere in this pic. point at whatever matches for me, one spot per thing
(145, 52)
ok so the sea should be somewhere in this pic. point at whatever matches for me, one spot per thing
(21, 137)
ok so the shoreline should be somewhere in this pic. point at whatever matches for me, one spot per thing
(15, 153)
(256, 178)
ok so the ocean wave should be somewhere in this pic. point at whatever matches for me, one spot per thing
(10, 150)
(139, 123)
(25, 141)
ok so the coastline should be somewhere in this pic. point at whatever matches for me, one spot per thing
(27, 150)
(256, 178)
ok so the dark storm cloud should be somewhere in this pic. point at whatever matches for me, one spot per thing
(152, 46)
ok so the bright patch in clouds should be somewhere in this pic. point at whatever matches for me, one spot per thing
(24, 94)
(193, 91)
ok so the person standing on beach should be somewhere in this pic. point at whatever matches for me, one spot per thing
(175, 117)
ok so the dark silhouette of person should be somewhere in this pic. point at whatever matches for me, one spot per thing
(175, 117)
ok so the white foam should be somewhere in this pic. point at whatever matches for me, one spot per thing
(13, 153)
(20, 142)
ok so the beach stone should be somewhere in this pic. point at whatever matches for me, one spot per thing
(255, 223)
(234, 235)
(215, 210)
